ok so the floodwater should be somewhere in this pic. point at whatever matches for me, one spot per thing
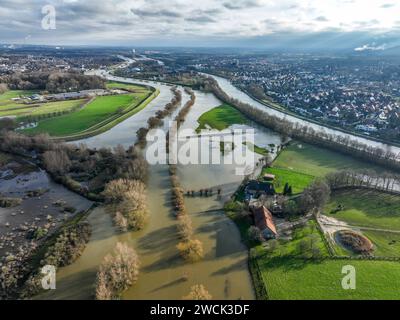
(164, 274)
(33, 211)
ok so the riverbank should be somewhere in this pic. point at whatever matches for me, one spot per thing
(110, 122)
(283, 110)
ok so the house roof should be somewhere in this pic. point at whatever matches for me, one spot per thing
(259, 186)
(269, 176)
(263, 219)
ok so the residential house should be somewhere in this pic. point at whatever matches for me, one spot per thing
(264, 221)
(255, 188)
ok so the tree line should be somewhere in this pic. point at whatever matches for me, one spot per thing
(296, 130)
(53, 82)
(190, 249)
(366, 178)
(157, 120)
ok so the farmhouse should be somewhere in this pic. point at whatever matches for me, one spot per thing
(255, 188)
(263, 220)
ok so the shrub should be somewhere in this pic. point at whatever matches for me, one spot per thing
(254, 234)
(198, 292)
(68, 246)
(10, 202)
(191, 250)
(117, 272)
(185, 227)
(116, 190)
(233, 206)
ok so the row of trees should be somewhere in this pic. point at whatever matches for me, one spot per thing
(341, 143)
(190, 249)
(180, 118)
(364, 179)
(157, 120)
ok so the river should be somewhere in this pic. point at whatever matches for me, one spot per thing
(235, 93)
(223, 271)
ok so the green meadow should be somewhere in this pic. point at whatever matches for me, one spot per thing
(386, 244)
(298, 279)
(288, 275)
(297, 180)
(100, 109)
(316, 161)
(41, 109)
(256, 149)
(365, 208)
(299, 164)
(126, 86)
(221, 118)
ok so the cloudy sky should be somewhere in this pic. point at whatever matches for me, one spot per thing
(214, 22)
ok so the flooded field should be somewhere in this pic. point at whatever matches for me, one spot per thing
(43, 203)
(164, 274)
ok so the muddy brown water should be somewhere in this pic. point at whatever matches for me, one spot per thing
(164, 275)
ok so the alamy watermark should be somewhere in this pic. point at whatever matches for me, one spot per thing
(49, 277)
(49, 17)
(349, 280)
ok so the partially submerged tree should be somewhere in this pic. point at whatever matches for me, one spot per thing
(191, 250)
(198, 292)
(185, 227)
(116, 190)
(117, 272)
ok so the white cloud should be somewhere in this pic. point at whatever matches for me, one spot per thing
(113, 20)
(371, 47)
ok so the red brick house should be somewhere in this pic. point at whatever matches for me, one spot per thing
(264, 221)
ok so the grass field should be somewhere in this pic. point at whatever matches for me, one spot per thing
(254, 148)
(386, 244)
(299, 164)
(6, 102)
(366, 208)
(297, 180)
(95, 112)
(8, 95)
(221, 118)
(44, 108)
(291, 278)
(287, 276)
(305, 233)
(127, 86)
(315, 161)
